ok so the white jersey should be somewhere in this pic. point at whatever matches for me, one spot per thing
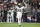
(11, 11)
(8, 13)
(19, 10)
(10, 16)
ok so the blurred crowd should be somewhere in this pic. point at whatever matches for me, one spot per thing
(31, 14)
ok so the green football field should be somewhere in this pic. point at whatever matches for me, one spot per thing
(22, 25)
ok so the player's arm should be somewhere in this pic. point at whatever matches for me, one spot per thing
(15, 9)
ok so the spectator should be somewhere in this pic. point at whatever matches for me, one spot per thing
(38, 15)
(38, 5)
(28, 7)
(5, 14)
(19, 1)
(8, 5)
(30, 2)
(28, 17)
(1, 13)
(35, 3)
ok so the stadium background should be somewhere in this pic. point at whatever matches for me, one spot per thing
(33, 10)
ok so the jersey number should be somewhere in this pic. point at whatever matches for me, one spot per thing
(19, 10)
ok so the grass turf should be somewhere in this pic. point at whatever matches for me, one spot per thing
(22, 25)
